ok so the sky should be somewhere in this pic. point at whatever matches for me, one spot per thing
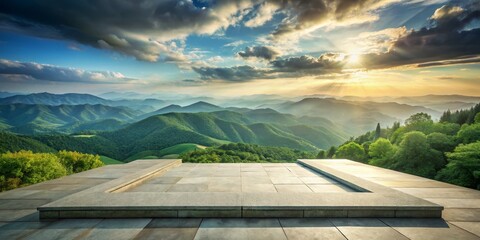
(241, 47)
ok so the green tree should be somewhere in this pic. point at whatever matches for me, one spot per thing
(415, 156)
(463, 166)
(420, 122)
(381, 153)
(378, 131)
(441, 142)
(469, 133)
(76, 162)
(352, 151)
(446, 116)
(477, 118)
(322, 154)
(331, 151)
(418, 118)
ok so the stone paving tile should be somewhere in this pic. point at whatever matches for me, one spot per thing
(18, 193)
(281, 175)
(366, 228)
(256, 180)
(286, 180)
(66, 229)
(188, 188)
(240, 229)
(456, 203)
(194, 180)
(254, 174)
(170, 229)
(232, 180)
(458, 193)
(176, 174)
(306, 173)
(410, 184)
(164, 180)
(77, 180)
(27, 215)
(302, 229)
(60, 187)
(426, 229)
(472, 227)
(292, 188)
(252, 169)
(319, 188)
(18, 230)
(258, 188)
(224, 187)
(227, 174)
(52, 195)
(461, 214)
(316, 180)
(151, 188)
(117, 229)
(22, 203)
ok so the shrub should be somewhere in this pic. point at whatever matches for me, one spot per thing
(25, 167)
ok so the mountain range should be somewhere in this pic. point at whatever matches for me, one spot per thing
(122, 128)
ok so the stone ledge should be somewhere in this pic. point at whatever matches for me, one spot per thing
(110, 201)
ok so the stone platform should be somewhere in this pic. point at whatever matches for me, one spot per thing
(19, 218)
(306, 189)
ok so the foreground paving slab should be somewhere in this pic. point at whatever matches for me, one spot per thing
(117, 229)
(304, 228)
(240, 229)
(426, 229)
(170, 229)
(366, 228)
(173, 189)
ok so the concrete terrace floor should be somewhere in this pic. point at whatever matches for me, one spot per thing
(288, 177)
(461, 217)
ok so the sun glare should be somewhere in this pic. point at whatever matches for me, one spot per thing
(353, 59)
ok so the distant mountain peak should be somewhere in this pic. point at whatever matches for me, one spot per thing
(202, 103)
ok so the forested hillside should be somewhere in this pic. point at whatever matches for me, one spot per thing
(207, 129)
(37, 118)
(445, 150)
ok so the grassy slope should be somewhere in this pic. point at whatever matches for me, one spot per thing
(108, 161)
(171, 152)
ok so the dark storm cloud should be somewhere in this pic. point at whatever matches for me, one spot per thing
(445, 41)
(137, 28)
(326, 63)
(231, 74)
(262, 52)
(281, 68)
(10, 70)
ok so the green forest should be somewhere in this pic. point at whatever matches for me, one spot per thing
(448, 150)
(243, 153)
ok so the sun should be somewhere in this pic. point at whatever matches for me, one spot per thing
(353, 59)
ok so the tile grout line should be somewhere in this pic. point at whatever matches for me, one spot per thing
(283, 230)
(199, 225)
(462, 228)
(392, 228)
(337, 228)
